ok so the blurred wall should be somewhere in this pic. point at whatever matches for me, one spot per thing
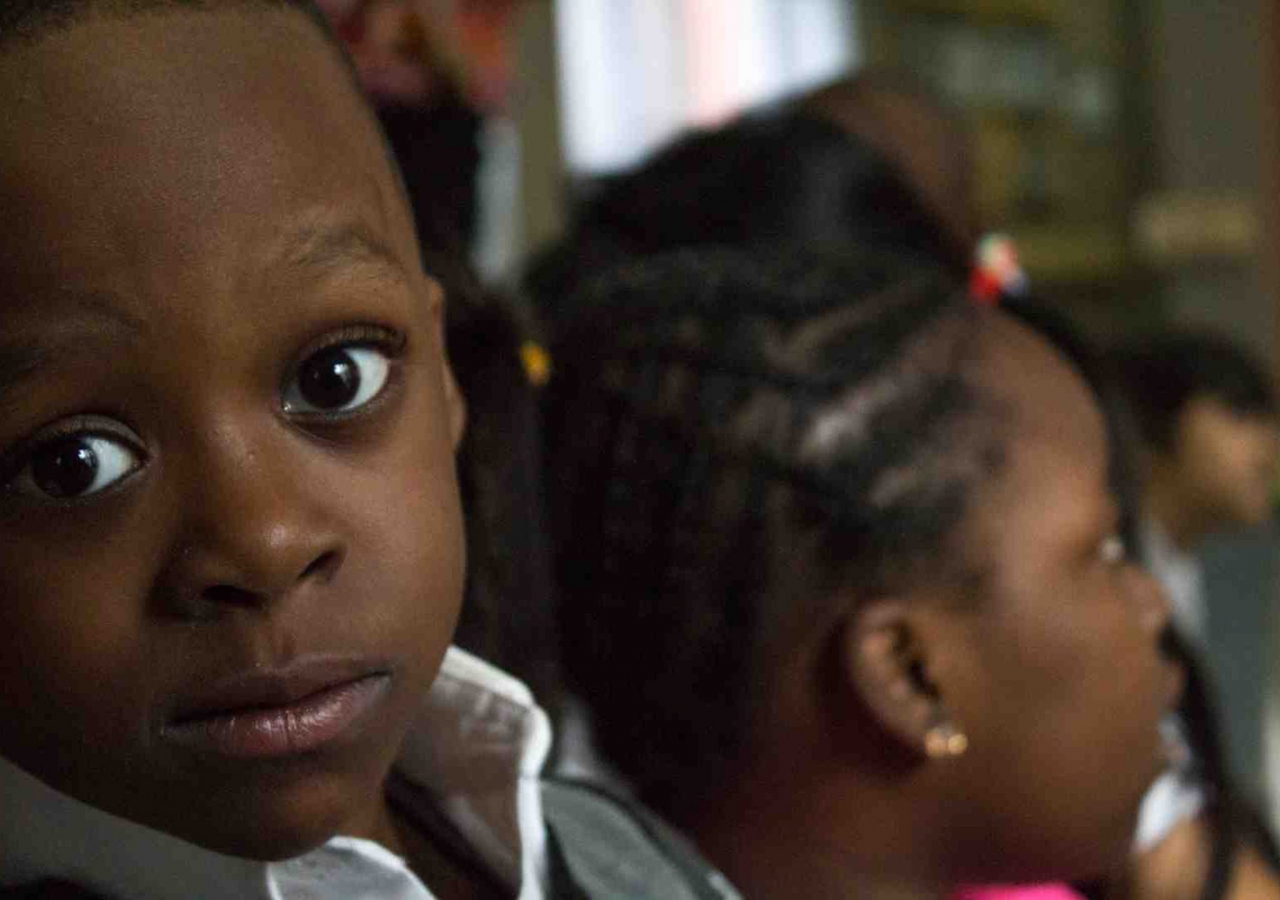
(1208, 74)
(537, 114)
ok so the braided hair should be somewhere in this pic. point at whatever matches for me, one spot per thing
(770, 178)
(733, 438)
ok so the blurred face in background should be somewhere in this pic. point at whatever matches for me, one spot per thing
(1225, 462)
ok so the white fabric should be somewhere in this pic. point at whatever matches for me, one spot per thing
(1182, 576)
(1172, 799)
(478, 748)
(1175, 796)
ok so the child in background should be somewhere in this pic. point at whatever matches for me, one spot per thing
(856, 166)
(844, 588)
(1208, 423)
(1204, 421)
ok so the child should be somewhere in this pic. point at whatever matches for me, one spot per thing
(1208, 421)
(231, 551)
(1206, 424)
(848, 598)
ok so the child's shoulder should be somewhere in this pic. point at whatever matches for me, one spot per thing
(601, 844)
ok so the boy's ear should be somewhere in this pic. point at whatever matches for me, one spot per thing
(888, 650)
(455, 402)
(457, 406)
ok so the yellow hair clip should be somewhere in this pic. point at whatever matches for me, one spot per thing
(537, 363)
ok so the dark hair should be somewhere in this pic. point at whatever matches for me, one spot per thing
(733, 436)
(508, 611)
(1162, 373)
(774, 178)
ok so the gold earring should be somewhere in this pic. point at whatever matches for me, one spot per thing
(943, 741)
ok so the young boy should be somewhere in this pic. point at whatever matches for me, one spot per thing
(231, 551)
(1209, 423)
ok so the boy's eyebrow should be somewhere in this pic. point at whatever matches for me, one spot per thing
(327, 245)
(86, 315)
(18, 362)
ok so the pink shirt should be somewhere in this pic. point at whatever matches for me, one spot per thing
(1015, 892)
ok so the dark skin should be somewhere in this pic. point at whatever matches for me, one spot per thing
(190, 225)
(1051, 671)
(1220, 475)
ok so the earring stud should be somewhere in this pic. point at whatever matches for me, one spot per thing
(945, 742)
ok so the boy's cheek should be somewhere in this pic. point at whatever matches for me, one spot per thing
(75, 671)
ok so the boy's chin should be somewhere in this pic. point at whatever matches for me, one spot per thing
(272, 816)
(280, 825)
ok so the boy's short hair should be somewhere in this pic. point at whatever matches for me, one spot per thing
(1163, 372)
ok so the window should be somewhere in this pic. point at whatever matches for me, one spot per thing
(633, 73)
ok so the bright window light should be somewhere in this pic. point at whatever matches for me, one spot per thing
(633, 73)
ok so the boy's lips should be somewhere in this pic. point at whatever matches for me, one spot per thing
(269, 713)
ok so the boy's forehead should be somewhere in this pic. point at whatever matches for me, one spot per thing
(178, 129)
(168, 58)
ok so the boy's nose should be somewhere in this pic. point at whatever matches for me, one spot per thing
(254, 530)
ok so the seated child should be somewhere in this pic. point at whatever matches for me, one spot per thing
(859, 172)
(845, 593)
(1209, 425)
(231, 547)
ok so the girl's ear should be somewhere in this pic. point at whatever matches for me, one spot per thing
(890, 650)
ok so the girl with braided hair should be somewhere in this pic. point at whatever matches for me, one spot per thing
(829, 171)
(844, 590)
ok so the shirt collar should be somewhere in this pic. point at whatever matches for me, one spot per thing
(477, 750)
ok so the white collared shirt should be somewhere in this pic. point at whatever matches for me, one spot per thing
(478, 749)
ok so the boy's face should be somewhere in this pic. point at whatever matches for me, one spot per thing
(1226, 462)
(230, 539)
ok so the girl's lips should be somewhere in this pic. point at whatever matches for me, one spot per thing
(262, 716)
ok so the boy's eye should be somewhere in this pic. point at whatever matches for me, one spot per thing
(337, 379)
(1112, 550)
(78, 465)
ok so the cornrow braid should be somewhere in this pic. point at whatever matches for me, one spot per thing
(812, 185)
(731, 439)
